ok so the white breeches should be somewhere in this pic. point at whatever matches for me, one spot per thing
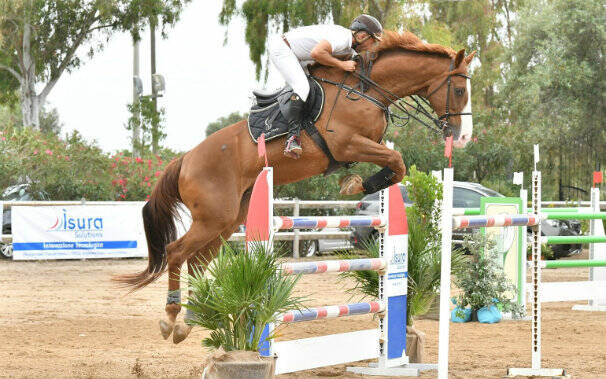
(289, 66)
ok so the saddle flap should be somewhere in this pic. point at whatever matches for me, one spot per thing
(266, 116)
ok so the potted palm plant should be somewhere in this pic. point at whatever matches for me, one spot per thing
(235, 297)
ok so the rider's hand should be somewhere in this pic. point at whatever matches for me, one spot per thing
(348, 65)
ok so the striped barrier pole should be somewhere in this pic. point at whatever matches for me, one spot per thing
(573, 263)
(286, 222)
(372, 264)
(459, 222)
(332, 311)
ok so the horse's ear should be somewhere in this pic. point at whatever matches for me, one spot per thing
(459, 58)
(470, 57)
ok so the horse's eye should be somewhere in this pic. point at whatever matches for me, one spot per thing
(459, 91)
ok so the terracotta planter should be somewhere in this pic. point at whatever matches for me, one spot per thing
(239, 365)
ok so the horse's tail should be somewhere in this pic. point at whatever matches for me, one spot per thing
(159, 215)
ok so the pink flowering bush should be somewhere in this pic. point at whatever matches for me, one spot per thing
(134, 178)
(71, 168)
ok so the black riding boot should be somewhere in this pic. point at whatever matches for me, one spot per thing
(294, 115)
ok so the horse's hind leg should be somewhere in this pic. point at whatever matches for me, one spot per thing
(205, 255)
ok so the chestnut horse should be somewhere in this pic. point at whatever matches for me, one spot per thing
(214, 179)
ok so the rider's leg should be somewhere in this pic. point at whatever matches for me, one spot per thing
(289, 66)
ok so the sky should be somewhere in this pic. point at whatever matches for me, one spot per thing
(205, 80)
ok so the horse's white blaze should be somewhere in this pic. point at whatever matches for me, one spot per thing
(466, 122)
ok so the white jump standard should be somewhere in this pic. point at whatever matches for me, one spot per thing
(388, 342)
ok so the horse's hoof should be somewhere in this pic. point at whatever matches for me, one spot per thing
(181, 332)
(166, 328)
(351, 185)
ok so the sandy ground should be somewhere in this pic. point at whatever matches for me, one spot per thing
(66, 319)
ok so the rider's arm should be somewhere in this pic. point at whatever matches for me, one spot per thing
(322, 53)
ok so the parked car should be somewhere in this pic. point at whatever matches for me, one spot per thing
(369, 206)
(19, 192)
(309, 248)
(468, 195)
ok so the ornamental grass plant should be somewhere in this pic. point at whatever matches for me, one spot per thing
(238, 293)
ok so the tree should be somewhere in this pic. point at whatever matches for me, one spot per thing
(281, 15)
(555, 87)
(40, 39)
(149, 120)
(222, 122)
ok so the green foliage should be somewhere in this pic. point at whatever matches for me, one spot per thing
(281, 15)
(40, 40)
(71, 168)
(554, 88)
(546, 252)
(66, 169)
(424, 252)
(483, 280)
(241, 292)
(149, 121)
(222, 122)
(133, 178)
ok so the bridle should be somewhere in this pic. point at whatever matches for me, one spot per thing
(448, 81)
(412, 108)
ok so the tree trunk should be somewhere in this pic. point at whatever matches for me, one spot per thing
(30, 102)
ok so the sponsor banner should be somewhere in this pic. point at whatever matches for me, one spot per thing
(79, 231)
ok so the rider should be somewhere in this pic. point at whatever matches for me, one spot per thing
(317, 43)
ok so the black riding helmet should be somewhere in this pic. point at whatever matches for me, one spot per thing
(368, 24)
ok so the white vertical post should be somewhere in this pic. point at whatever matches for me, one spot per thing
(593, 227)
(518, 179)
(524, 197)
(535, 317)
(536, 273)
(295, 242)
(445, 274)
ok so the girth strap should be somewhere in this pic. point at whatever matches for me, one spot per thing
(333, 164)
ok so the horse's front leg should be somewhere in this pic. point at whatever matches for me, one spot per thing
(362, 149)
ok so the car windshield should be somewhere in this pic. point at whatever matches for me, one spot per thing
(465, 198)
(491, 193)
(375, 196)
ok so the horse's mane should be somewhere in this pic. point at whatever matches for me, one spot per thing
(408, 41)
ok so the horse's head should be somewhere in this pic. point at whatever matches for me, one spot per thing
(450, 97)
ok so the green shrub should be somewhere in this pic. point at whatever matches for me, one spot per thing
(71, 168)
(483, 280)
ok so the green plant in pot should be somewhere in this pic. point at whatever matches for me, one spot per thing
(424, 256)
(234, 297)
(483, 282)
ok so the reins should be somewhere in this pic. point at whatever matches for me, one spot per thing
(410, 109)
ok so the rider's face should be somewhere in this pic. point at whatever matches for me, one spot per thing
(364, 40)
